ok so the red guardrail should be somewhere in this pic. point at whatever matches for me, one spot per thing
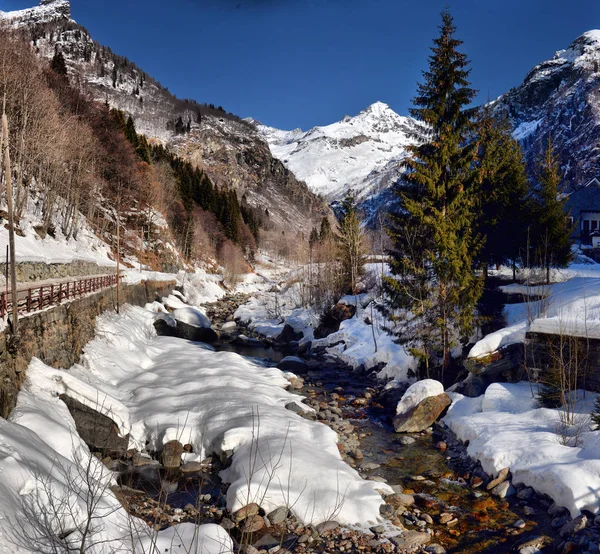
(44, 296)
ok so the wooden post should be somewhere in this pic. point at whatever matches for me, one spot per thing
(118, 261)
(11, 221)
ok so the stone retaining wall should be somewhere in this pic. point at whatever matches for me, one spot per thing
(39, 271)
(57, 336)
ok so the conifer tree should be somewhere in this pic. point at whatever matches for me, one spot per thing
(58, 64)
(552, 230)
(432, 228)
(503, 208)
(351, 244)
(325, 232)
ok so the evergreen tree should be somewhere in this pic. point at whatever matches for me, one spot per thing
(432, 229)
(314, 237)
(58, 64)
(552, 230)
(325, 232)
(503, 209)
(351, 244)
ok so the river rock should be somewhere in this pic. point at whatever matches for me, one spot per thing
(193, 325)
(289, 335)
(171, 454)
(278, 515)
(423, 416)
(245, 512)
(327, 526)
(574, 526)
(253, 524)
(503, 490)
(502, 476)
(97, 430)
(411, 539)
(293, 364)
(400, 500)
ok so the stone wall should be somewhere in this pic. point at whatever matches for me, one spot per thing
(57, 336)
(39, 271)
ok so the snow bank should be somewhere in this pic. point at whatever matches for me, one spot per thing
(418, 392)
(358, 348)
(507, 428)
(221, 402)
(571, 308)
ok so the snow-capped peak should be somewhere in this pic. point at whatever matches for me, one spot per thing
(48, 10)
(360, 153)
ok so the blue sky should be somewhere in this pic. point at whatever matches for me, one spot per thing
(300, 63)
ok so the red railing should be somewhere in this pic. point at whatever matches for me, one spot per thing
(38, 298)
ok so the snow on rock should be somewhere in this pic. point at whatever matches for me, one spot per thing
(188, 538)
(192, 316)
(569, 308)
(359, 348)
(223, 403)
(506, 428)
(418, 392)
(201, 287)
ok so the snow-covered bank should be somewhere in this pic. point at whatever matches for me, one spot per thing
(506, 428)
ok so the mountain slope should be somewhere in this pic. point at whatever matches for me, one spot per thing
(560, 98)
(228, 149)
(361, 153)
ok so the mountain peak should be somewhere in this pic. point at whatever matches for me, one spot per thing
(378, 108)
(48, 10)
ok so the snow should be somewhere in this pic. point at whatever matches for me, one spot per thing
(361, 153)
(358, 347)
(418, 392)
(223, 403)
(526, 128)
(192, 316)
(570, 307)
(507, 428)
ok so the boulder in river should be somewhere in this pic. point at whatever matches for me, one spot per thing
(289, 335)
(293, 364)
(423, 416)
(193, 325)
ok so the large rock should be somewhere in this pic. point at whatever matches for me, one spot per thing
(293, 364)
(192, 324)
(171, 454)
(289, 335)
(98, 431)
(423, 416)
(416, 393)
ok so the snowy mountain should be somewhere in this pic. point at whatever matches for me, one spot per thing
(228, 149)
(561, 98)
(361, 153)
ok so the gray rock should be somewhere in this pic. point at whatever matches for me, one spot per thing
(411, 539)
(289, 335)
(526, 493)
(406, 441)
(528, 510)
(559, 522)
(519, 524)
(377, 529)
(278, 515)
(503, 490)
(245, 512)
(398, 500)
(294, 407)
(196, 334)
(574, 526)
(267, 542)
(327, 526)
(97, 430)
(369, 466)
(293, 364)
(435, 549)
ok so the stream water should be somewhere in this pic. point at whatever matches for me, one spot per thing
(438, 475)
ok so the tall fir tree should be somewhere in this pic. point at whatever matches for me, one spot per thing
(552, 229)
(503, 210)
(351, 243)
(432, 229)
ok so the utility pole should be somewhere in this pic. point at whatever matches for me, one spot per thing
(118, 257)
(11, 222)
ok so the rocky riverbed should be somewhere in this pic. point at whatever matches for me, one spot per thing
(442, 500)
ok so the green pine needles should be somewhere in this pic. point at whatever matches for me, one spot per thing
(433, 230)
